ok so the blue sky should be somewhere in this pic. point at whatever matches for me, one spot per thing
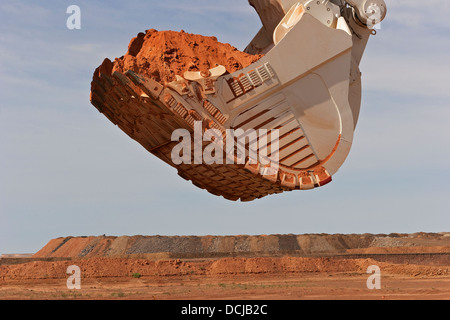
(65, 170)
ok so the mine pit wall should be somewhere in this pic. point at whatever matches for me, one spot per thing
(205, 247)
(201, 246)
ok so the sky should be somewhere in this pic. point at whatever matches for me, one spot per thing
(65, 170)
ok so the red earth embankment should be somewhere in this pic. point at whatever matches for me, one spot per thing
(244, 245)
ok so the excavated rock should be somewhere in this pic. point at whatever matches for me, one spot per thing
(161, 55)
(243, 245)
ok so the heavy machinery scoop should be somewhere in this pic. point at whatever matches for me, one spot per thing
(285, 122)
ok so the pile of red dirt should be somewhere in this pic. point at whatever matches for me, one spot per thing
(158, 256)
(161, 55)
(243, 245)
(121, 267)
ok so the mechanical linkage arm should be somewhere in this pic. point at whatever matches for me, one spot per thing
(367, 12)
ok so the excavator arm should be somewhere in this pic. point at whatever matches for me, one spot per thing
(366, 14)
(360, 15)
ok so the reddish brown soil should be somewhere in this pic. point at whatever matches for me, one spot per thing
(161, 55)
(122, 267)
(228, 278)
(412, 267)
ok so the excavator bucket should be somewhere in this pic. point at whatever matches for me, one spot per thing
(285, 122)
